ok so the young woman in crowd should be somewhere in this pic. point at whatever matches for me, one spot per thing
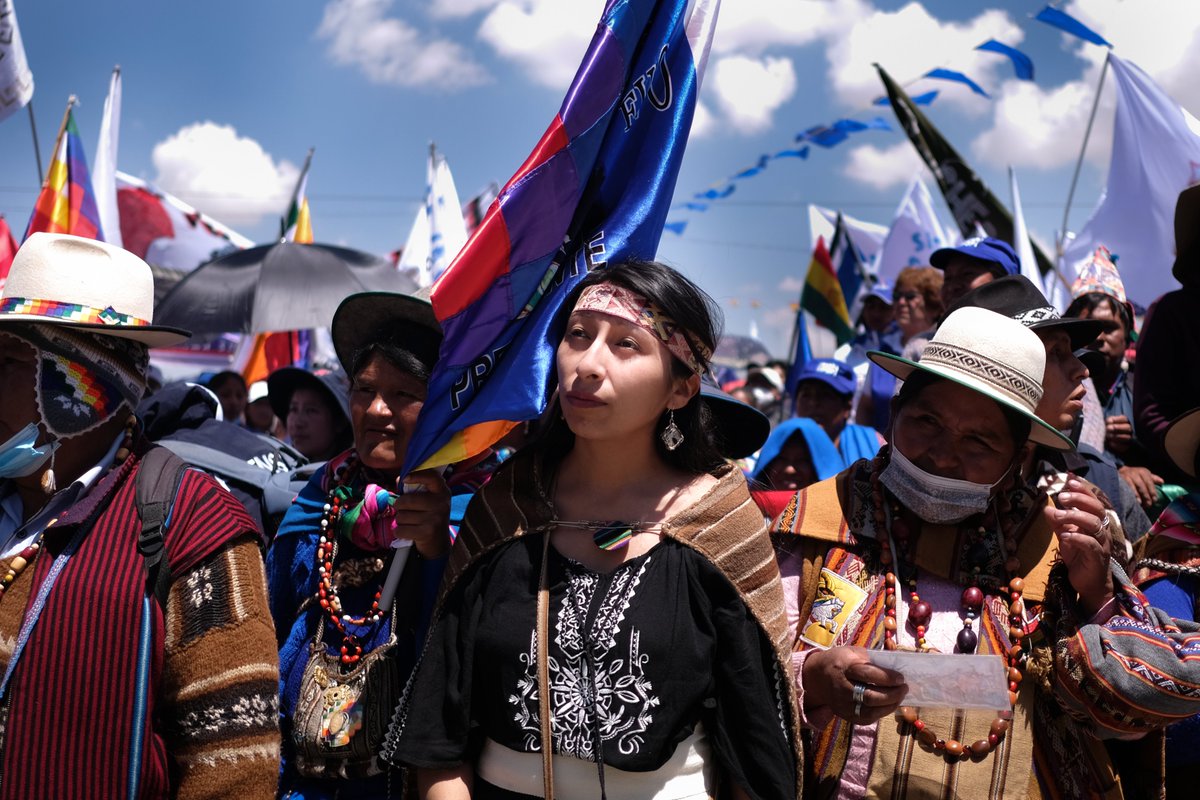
(612, 622)
(315, 410)
(230, 389)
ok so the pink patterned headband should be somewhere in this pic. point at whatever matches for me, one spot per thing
(617, 301)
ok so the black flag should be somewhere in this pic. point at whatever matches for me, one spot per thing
(971, 202)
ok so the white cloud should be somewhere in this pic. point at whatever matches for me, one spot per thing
(458, 8)
(748, 90)
(751, 26)
(547, 38)
(908, 43)
(225, 175)
(390, 51)
(1043, 127)
(884, 168)
(703, 122)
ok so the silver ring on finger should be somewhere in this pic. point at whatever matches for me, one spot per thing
(859, 694)
(1104, 524)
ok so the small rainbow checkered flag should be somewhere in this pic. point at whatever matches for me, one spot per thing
(67, 203)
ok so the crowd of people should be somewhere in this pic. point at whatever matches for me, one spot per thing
(661, 588)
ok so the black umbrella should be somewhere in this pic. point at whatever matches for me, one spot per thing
(737, 351)
(277, 287)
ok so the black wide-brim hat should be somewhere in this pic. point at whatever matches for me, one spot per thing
(1015, 296)
(742, 429)
(283, 383)
(370, 316)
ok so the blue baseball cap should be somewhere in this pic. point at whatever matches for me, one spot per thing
(836, 374)
(882, 292)
(998, 254)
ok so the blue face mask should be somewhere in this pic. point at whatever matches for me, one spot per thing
(20, 457)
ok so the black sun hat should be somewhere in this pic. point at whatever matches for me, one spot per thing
(1015, 296)
(741, 429)
(369, 316)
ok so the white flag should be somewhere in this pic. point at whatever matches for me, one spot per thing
(104, 175)
(414, 258)
(915, 234)
(16, 81)
(1155, 156)
(867, 236)
(447, 231)
(1021, 243)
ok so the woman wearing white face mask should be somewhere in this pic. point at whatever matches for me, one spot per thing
(936, 545)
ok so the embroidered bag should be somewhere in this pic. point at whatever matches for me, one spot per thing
(341, 717)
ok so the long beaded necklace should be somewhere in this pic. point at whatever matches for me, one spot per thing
(23, 559)
(920, 614)
(352, 628)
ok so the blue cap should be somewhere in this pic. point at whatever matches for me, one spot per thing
(836, 374)
(997, 253)
(881, 291)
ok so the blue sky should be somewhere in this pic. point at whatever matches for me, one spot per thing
(222, 100)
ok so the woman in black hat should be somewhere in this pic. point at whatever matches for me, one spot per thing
(345, 646)
(612, 597)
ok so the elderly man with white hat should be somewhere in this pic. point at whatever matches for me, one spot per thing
(936, 546)
(136, 647)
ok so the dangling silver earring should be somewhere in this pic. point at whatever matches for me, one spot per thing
(671, 436)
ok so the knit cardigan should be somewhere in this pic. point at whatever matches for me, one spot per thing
(210, 696)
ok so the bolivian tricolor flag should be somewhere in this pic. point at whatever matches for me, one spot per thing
(822, 296)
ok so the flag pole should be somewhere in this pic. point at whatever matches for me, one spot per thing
(1062, 238)
(37, 150)
(62, 129)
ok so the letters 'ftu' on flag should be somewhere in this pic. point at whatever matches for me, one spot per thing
(66, 203)
(1155, 156)
(971, 202)
(595, 190)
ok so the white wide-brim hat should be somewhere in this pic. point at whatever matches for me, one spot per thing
(82, 283)
(992, 354)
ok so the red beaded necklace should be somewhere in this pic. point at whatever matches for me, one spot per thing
(920, 613)
(327, 595)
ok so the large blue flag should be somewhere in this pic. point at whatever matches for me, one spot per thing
(594, 191)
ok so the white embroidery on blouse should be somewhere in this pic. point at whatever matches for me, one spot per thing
(624, 696)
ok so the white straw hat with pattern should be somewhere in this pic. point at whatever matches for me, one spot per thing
(993, 354)
(83, 283)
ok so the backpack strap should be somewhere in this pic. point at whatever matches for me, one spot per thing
(155, 486)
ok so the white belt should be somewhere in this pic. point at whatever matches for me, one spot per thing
(687, 775)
